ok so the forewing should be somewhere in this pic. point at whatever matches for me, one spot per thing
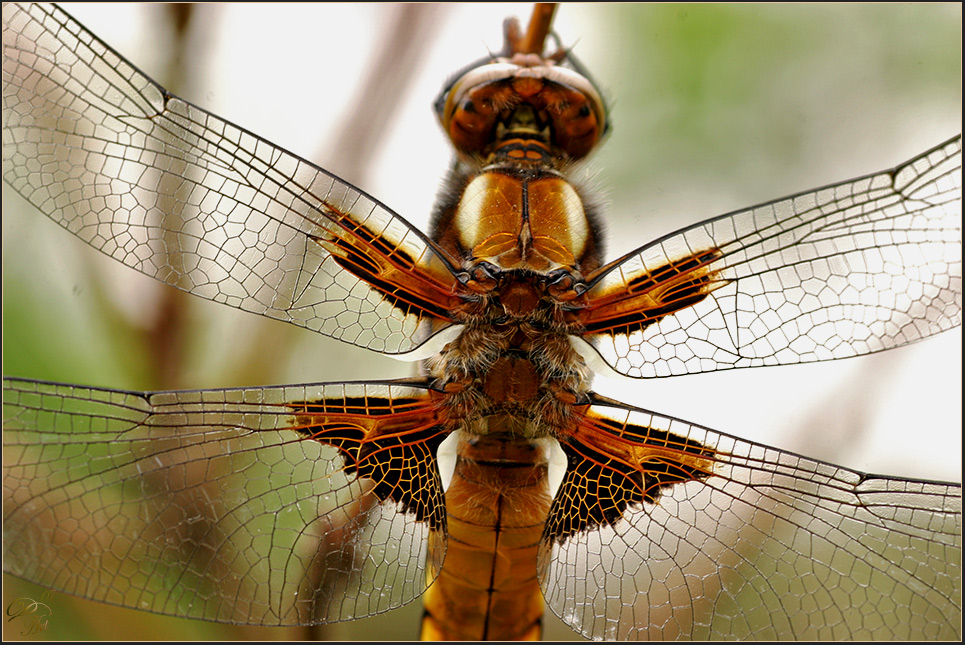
(666, 530)
(849, 269)
(201, 204)
(266, 506)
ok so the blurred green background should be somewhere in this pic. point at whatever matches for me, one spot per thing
(715, 107)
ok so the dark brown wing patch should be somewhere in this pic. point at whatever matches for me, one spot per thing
(401, 279)
(640, 300)
(613, 465)
(390, 441)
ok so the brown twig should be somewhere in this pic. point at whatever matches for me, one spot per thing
(539, 27)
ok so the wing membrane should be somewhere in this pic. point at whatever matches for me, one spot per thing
(854, 268)
(268, 506)
(201, 204)
(666, 530)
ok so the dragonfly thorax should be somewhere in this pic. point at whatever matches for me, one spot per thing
(520, 377)
(517, 218)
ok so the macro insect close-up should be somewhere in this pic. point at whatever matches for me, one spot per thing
(488, 469)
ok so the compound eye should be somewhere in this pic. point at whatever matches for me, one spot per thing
(577, 127)
(473, 121)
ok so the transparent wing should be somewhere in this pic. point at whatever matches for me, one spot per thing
(199, 203)
(850, 269)
(266, 506)
(666, 530)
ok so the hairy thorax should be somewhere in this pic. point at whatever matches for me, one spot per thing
(520, 376)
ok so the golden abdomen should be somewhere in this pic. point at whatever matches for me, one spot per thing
(496, 505)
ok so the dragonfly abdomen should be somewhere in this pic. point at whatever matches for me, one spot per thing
(496, 506)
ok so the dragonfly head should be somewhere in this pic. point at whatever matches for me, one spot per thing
(541, 97)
